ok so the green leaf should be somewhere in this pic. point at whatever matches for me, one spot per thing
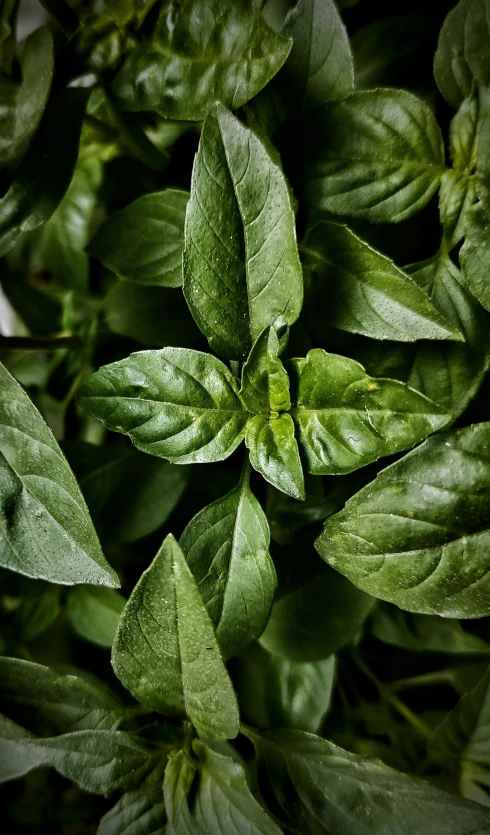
(378, 154)
(347, 419)
(17, 764)
(463, 135)
(418, 535)
(24, 103)
(38, 610)
(462, 51)
(315, 787)
(424, 633)
(457, 196)
(265, 383)
(197, 55)
(285, 694)
(227, 549)
(175, 403)
(387, 50)
(320, 62)
(152, 315)
(144, 242)
(49, 703)
(45, 527)
(362, 291)
(475, 254)
(315, 619)
(211, 795)
(102, 762)
(45, 173)
(167, 655)
(141, 811)
(241, 266)
(94, 613)
(8, 41)
(274, 452)
(461, 741)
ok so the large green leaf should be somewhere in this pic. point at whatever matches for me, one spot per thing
(315, 787)
(265, 383)
(154, 316)
(22, 105)
(475, 254)
(461, 741)
(462, 52)
(362, 291)
(227, 548)
(274, 452)
(424, 633)
(144, 242)
(418, 535)
(166, 653)
(320, 62)
(45, 527)
(49, 703)
(347, 419)
(198, 54)
(447, 372)
(175, 403)
(241, 266)
(378, 154)
(42, 178)
(285, 693)
(316, 618)
(94, 613)
(141, 811)
(211, 796)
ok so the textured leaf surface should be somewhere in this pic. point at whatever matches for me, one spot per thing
(265, 383)
(418, 535)
(166, 652)
(45, 527)
(144, 242)
(175, 403)
(362, 291)
(320, 62)
(379, 155)
(424, 633)
(274, 452)
(241, 266)
(316, 619)
(221, 803)
(141, 811)
(475, 254)
(347, 419)
(462, 52)
(227, 548)
(315, 787)
(198, 54)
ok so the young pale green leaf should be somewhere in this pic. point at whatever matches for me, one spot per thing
(154, 316)
(463, 135)
(42, 178)
(227, 549)
(456, 197)
(175, 403)
(141, 811)
(18, 762)
(377, 154)
(102, 762)
(50, 703)
(221, 803)
(424, 633)
(274, 453)
(320, 62)
(461, 741)
(94, 613)
(314, 620)
(362, 291)
(197, 55)
(316, 788)
(144, 242)
(418, 535)
(447, 372)
(241, 266)
(347, 419)
(166, 652)
(285, 694)
(462, 51)
(475, 254)
(265, 383)
(45, 528)
(20, 117)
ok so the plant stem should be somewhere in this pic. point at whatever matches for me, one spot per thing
(235, 368)
(38, 343)
(415, 721)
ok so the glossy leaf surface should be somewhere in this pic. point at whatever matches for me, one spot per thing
(274, 452)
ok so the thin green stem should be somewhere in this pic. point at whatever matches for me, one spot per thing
(38, 343)
(235, 368)
(246, 470)
(415, 721)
